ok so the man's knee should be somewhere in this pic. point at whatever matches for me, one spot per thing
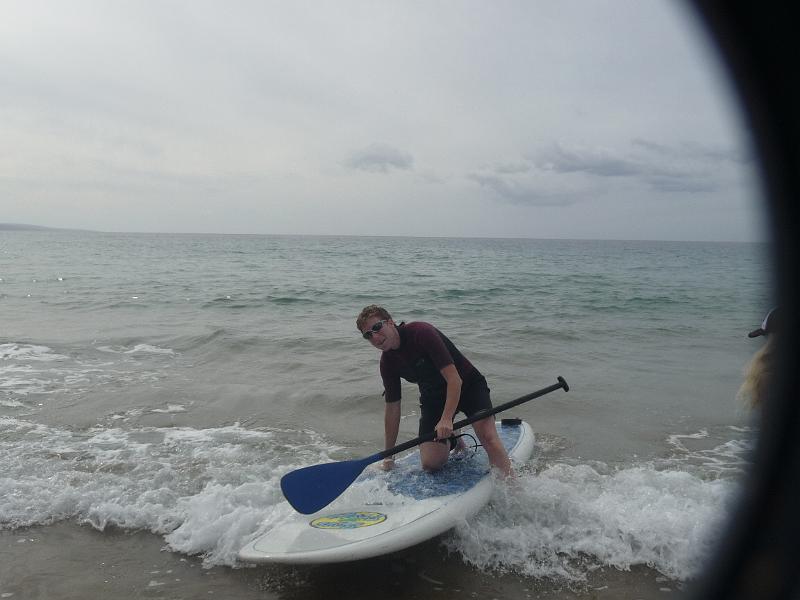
(485, 428)
(433, 456)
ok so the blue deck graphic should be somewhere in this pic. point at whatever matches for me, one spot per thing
(457, 476)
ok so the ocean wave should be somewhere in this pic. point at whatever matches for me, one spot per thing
(137, 349)
(479, 292)
(211, 491)
(24, 380)
(170, 409)
(567, 520)
(207, 491)
(28, 352)
(710, 455)
(284, 300)
(570, 517)
(30, 372)
(187, 343)
(258, 301)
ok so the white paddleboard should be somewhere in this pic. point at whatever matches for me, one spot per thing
(383, 512)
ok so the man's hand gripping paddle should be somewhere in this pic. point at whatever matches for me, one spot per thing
(312, 488)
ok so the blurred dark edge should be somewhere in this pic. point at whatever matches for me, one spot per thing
(759, 556)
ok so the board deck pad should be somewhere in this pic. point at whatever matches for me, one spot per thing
(383, 512)
(457, 476)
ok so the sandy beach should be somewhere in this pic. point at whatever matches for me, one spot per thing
(67, 561)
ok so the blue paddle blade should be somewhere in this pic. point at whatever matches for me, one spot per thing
(312, 488)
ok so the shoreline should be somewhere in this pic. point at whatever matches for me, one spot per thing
(68, 561)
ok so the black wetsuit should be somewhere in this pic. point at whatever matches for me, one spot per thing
(423, 352)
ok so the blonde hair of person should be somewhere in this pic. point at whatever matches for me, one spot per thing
(757, 376)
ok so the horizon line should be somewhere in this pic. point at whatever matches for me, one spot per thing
(43, 228)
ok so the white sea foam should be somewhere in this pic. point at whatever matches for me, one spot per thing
(33, 370)
(713, 460)
(137, 349)
(23, 380)
(149, 349)
(170, 408)
(208, 491)
(11, 403)
(43, 378)
(28, 352)
(569, 519)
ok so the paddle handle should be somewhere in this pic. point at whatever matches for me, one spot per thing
(481, 414)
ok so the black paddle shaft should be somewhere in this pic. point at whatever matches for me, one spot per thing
(481, 414)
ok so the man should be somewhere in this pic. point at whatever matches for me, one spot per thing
(448, 383)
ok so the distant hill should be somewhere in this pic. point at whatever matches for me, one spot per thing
(25, 227)
(19, 227)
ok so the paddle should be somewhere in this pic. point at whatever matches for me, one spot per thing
(312, 488)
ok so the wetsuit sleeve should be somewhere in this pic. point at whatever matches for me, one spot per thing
(391, 384)
(430, 340)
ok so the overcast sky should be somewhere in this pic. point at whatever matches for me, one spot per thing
(559, 119)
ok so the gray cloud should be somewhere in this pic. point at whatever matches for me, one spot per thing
(524, 193)
(579, 173)
(512, 168)
(689, 184)
(680, 167)
(380, 158)
(693, 150)
(594, 162)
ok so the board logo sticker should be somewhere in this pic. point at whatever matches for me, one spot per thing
(351, 520)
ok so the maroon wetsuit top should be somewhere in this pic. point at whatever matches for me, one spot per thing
(423, 352)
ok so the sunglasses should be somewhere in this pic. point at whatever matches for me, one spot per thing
(376, 327)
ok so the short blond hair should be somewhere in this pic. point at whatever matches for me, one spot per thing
(758, 376)
(373, 310)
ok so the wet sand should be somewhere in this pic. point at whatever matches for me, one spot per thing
(66, 561)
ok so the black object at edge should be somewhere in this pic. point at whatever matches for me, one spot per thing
(757, 558)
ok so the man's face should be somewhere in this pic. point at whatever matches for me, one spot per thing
(381, 333)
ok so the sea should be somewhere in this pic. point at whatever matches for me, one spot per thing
(154, 388)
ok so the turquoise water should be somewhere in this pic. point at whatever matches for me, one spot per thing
(166, 382)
